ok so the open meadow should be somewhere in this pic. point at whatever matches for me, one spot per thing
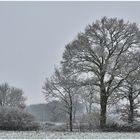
(66, 135)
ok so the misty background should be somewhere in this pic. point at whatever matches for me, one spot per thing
(33, 36)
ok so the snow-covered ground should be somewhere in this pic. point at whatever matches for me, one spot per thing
(67, 135)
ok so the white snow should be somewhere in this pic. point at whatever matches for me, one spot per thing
(66, 135)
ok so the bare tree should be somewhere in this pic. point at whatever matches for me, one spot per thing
(16, 98)
(11, 96)
(103, 51)
(4, 93)
(61, 86)
(130, 93)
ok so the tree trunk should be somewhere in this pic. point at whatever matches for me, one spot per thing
(103, 103)
(131, 113)
(103, 99)
(70, 119)
(70, 112)
(131, 117)
(90, 111)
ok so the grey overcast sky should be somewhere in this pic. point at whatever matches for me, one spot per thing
(33, 36)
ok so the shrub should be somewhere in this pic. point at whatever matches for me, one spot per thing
(16, 119)
(114, 127)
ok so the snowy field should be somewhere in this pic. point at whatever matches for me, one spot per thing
(67, 135)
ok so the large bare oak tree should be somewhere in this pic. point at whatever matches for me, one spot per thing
(103, 51)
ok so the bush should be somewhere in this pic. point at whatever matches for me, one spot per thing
(16, 119)
(114, 127)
